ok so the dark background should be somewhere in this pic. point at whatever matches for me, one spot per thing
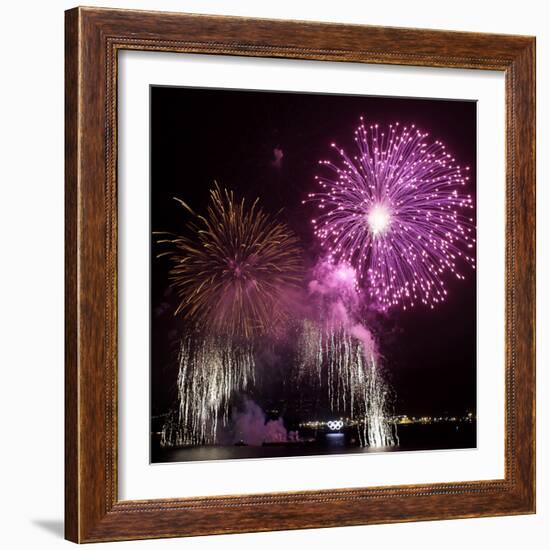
(202, 135)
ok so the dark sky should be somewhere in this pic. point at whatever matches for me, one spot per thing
(202, 135)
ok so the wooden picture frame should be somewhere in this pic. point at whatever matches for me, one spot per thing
(93, 511)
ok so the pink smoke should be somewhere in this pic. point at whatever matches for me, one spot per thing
(364, 335)
(335, 284)
(250, 426)
(330, 277)
(277, 157)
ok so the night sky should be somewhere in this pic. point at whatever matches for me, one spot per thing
(232, 136)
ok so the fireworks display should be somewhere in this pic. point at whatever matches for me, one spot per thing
(290, 334)
(396, 211)
(236, 275)
(211, 369)
(234, 279)
(337, 352)
(335, 359)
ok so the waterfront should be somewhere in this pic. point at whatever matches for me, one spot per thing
(412, 437)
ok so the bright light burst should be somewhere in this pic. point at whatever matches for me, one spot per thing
(379, 218)
(396, 211)
(236, 273)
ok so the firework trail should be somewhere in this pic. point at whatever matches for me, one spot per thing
(234, 279)
(236, 275)
(210, 370)
(355, 384)
(397, 213)
(337, 351)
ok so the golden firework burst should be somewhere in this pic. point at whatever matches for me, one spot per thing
(236, 271)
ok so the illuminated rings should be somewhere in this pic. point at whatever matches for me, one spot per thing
(335, 425)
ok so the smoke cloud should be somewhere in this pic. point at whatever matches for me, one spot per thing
(336, 286)
(250, 426)
(364, 335)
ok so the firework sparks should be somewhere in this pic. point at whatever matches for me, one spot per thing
(234, 279)
(236, 275)
(353, 378)
(210, 370)
(336, 350)
(397, 213)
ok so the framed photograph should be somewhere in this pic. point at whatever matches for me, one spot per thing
(300, 275)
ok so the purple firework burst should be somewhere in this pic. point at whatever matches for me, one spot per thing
(397, 213)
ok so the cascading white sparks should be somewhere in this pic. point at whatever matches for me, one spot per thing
(210, 370)
(355, 384)
(234, 271)
(378, 430)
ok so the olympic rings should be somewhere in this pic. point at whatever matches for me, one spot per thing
(335, 425)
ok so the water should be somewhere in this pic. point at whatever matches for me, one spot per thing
(413, 437)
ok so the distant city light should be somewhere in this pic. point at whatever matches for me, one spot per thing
(335, 425)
